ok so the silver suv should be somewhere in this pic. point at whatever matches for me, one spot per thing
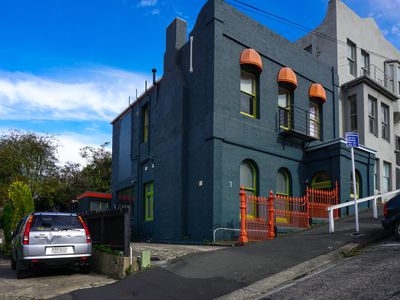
(50, 239)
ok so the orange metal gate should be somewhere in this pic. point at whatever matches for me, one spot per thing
(320, 200)
(260, 214)
(291, 211)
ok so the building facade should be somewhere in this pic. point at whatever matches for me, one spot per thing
(237, 105)
(369, 76)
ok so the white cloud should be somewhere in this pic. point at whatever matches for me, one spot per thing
(387, 9)
(82, 94)
(71, 143)
(147, 3)
(155, 11)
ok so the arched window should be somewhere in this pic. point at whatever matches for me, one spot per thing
(321, 181)
(358, 184)
(283, 183)
(248, 177)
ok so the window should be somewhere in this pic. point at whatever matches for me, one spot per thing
(321, 181)
(98, 206)
(248, 94)
(385, 122)
(125, 198)
(308, 49)
(397, 178)
(145, 123)
(314, 120)
(284, 108)
(398, 78)
(397, 151)
(353, 113)
(391, 78)
(351, 57)
(283, 183)
(372, 115)
(386, 183)
(149, 201)
(248, 179)
(364, 62)
(376, 174)
(358, 181)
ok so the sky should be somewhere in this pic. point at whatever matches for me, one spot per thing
(68, 67)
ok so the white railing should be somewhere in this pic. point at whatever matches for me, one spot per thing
(373, 198)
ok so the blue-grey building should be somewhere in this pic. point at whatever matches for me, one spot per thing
(237, 105)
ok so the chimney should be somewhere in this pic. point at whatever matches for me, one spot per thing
(154, 70)
(176, 38)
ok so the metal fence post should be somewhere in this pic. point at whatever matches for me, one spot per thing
(243, 232)
(271, 216)
(308, 207)
(331, 220)
(375, 208)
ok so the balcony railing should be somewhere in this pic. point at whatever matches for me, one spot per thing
(298, 122)
(379, 76)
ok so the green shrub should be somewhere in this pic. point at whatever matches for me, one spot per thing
(18, 205)
(7, 216)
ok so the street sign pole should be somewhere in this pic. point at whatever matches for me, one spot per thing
(352, 142)
(353, 166)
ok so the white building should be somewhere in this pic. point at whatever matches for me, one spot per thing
(369, 76)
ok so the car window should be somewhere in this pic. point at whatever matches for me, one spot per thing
(55, 222)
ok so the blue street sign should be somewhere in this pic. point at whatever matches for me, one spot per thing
(352, 139)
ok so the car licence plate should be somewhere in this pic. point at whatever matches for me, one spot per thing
(59, 250)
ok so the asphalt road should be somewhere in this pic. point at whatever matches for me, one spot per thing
(44, 284)
(374, 273)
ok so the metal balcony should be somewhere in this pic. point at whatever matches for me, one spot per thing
(299, 123)
(379, 76)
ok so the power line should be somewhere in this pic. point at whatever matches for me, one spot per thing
(264, 13)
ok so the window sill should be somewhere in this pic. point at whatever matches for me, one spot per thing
(247, 115)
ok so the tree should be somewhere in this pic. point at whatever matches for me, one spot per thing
(97, 172)
(29, 157)
(19, 204)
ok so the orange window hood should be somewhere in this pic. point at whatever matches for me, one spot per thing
(287, 76)
(317, 92)
(251, 57)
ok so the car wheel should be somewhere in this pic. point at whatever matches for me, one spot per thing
(397, 230)
(84, 269)
(21, 273)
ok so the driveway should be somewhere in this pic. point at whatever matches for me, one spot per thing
(46, 283)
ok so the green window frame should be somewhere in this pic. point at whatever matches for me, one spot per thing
(149, 201)
(286, 177)
(250, 190)
(145, 123)
(315, 120)
(248, 94)
(321, 181)
(358, 181)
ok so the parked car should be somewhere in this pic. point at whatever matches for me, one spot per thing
(45, 239)
(391, 212)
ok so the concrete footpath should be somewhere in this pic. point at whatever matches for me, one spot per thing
(243, 272)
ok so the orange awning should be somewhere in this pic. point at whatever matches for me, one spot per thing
(251, 57)
(286, 75)
(317, 92)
